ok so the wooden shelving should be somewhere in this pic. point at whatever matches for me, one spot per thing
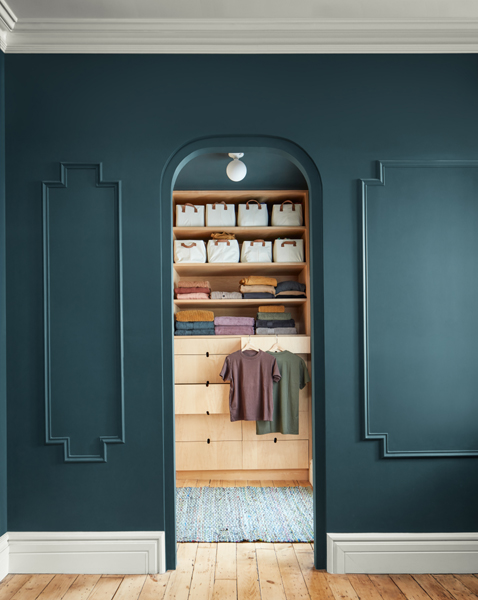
(228, 269)
(241, 233)
(239, 303)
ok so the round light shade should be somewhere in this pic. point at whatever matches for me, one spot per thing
(236, 170)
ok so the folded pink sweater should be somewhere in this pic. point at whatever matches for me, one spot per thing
(192, 296)
(234, 321)
(225, 330)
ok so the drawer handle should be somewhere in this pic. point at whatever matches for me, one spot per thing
(207, 354)
(275, 440)
(207, 383)
(207, 412)
(208, 441)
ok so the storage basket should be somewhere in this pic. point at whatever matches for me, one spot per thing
(189, 251)
(220, 214)
(223, 251)
(286, 214)
(252, 214)
(257, 251)
(189, 215)
(286, 250)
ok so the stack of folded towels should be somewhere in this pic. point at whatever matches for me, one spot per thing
(234, 325)
(256, 287)
(194, 322)
(290, 289)
(193, 290)
(273, 320)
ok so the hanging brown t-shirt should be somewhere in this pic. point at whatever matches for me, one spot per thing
(251, 375)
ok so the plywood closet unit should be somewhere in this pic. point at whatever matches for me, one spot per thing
(208, 445)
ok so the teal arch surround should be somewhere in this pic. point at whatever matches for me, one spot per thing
(291, 151)
(384, 438)
(63, 440)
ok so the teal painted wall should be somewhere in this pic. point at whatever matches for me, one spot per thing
(132, 113)
(3, 347)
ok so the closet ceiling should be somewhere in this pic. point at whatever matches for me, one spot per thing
(249, 26)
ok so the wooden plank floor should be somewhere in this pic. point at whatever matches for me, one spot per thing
(245, 571)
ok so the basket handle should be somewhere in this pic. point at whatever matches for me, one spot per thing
(216, 242)
(287, 202)
(258, 204)
(183, 206)
(214, 205)
(291, 243)
(257, 241)
(192, 245)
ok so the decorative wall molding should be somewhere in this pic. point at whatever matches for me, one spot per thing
(63, 183)
(111, 552)
(380, 181)
(243, 36)
(402, 553)
(4, 563)
(8, 18)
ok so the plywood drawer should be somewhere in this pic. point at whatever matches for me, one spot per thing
(298, 344)
(211, 344)
(189, 368)
(200, 428)
(249, 431)
(280, 455)
(199, 399)
(200, 456)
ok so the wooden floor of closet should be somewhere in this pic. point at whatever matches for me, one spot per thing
(239, 483)
(244, 571)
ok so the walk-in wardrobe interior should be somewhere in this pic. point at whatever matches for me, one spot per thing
(208, 445)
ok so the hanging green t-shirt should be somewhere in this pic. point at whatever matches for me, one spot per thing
(294, 376)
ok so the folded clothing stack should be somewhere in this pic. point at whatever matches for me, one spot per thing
(275, 323)
(290, 289)
(193, 290)
(226, 295)
(256, 287)
(234, 325)
(194, 322)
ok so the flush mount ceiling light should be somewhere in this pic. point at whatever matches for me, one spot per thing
(236, 170)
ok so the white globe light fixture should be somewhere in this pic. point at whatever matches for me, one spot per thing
(236, 170)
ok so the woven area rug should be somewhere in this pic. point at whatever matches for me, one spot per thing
(240, 514)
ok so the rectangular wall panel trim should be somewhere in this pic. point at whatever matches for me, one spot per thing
(384, 553)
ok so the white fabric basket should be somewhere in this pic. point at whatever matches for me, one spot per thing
(189, 251)
(252, 214)
(220, 214)
(223, 251)
(286, 250)
(286, 214)
(257, 251)
(189, 215)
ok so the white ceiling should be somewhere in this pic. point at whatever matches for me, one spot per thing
(208, 9)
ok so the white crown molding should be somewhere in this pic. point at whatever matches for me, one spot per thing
(244, 36)
(402, 553)
(7, 17)
(111, 552)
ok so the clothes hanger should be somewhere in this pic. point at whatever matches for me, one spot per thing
(249, 346)
(277, 347)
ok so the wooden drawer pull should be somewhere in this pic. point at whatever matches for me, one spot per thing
(275, 440)
(207, 383)
(208, 441)
(207, 412)
(207, 354)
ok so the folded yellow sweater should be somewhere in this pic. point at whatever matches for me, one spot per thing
(259, 280)
(194, 315)
(271, 309)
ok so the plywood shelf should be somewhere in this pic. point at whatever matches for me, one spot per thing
(241, 233)
(228, 269)
(237, 303)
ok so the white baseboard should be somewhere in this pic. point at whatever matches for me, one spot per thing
(3, 556)
(112, 552)
(402, 552)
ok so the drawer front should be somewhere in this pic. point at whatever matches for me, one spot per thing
(298, 344)
(280, 455)
(200, 456)
(199, 399)
(189, 368)
(200, 428)
(249, 431)
(210, 344)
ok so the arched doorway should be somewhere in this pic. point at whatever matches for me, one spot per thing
(290, 150)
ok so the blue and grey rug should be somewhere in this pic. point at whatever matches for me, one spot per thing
(239, 514)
